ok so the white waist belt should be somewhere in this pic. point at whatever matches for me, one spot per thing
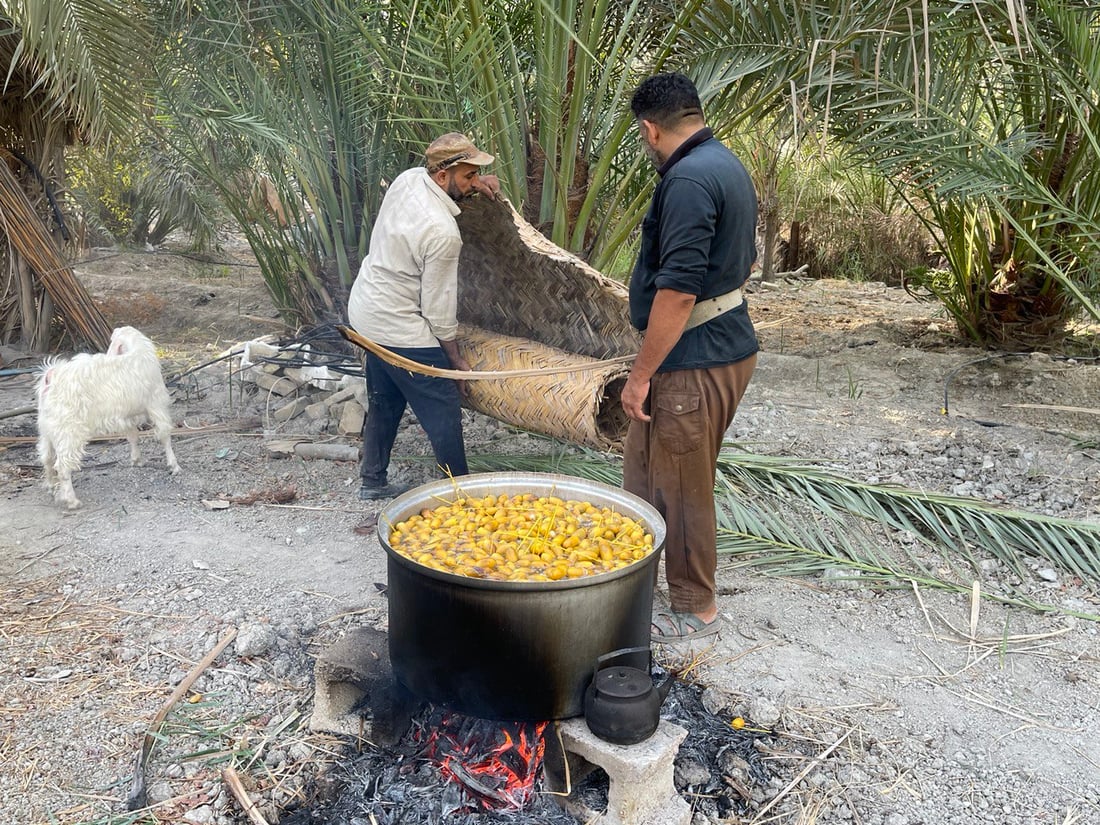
(711, 308)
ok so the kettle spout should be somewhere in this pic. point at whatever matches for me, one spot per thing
(665, 687)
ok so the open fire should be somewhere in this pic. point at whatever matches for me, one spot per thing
(446, 767)
(494, 764)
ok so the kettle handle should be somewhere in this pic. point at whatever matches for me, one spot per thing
(623, 651)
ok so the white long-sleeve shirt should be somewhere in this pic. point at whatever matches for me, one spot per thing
(406, 292)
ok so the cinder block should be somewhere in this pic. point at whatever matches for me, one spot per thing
(355, 692)
(641, 790)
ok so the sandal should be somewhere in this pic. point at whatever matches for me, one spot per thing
(674, 626)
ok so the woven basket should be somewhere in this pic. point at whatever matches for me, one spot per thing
(525, 302)
(582, 407)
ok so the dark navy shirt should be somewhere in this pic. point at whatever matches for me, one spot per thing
(699, 237)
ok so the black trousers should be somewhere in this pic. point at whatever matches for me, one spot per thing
(435, 402)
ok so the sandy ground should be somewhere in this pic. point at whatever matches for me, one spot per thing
(944, 711)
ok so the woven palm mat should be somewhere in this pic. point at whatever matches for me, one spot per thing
(535, 304)
(582, 407)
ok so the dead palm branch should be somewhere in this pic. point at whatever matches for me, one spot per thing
(791, 517)
(38, 255)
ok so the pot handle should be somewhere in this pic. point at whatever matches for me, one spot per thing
(623, 651)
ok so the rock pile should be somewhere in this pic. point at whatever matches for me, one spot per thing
(308, 394)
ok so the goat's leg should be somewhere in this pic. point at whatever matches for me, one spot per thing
(48, 458)
(69, 452)
(65, 493)
(169, 455)
(135, 449)
(162, 427)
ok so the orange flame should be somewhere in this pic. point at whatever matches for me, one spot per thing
(496, 776)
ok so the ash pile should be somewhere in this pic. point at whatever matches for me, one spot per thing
(449, 769)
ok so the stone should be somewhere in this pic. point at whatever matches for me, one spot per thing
(641, 790)
(351, 418)
(254, 640)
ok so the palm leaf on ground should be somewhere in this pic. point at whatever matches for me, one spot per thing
(791, 517)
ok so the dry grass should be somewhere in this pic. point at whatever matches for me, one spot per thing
(58, 649)
(59, 652)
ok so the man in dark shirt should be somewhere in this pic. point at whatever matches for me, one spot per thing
(699, 349)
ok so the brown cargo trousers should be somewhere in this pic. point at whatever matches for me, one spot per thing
(670, 462)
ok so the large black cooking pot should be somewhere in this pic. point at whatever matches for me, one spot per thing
(513, 651)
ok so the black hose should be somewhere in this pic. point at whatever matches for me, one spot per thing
(335, 361)
(45, 188)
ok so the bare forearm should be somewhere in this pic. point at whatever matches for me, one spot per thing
(667, 318)
(666, 324)
(450, 348)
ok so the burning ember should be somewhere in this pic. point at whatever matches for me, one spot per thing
(446, 768)
(494, 764)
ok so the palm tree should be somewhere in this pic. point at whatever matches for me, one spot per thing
(983, 116)
(986, 119)
(70, 76)
(332, 99)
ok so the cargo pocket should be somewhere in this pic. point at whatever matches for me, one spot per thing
(679, 421)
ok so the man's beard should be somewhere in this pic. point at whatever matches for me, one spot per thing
(456, 194)
(651, 153)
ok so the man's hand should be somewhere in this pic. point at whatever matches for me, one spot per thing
(460, 363)
(488, 185)
(634, 395)
(457, 362)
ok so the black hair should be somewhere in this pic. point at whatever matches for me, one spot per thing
(666, 99)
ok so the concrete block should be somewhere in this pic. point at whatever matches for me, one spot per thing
(291, 410)
(641, 790)
(360, 390)
(351, 418)
(296, 375)
(317, 411)
(275, 384)
(341, 395)
(355, 692)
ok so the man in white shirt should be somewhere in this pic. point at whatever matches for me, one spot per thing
(405, 298)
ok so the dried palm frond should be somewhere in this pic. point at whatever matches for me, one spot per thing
(792, 517)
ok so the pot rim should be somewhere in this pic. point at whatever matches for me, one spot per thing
(563, 486)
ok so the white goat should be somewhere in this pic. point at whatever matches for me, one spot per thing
(92, 395)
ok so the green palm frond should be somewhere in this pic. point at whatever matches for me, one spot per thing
(791, 517)
(86, 55)
(988, 115)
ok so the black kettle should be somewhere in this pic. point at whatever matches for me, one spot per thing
(622, 705)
